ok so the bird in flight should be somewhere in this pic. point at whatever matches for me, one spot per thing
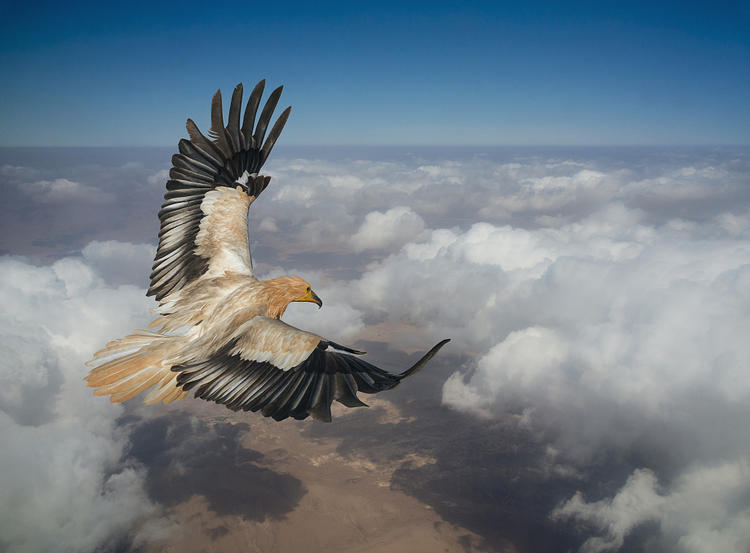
(219, 332)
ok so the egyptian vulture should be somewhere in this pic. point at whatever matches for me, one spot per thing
(219, 332)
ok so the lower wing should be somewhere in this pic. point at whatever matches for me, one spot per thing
(281, 371)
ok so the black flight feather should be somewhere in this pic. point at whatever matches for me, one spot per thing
(251, 109)
(307, 389)
(274, 134)
(202, 165)
(233, 121)
(265, 116)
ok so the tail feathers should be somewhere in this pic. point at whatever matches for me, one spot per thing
(134, 341)
(127, 376)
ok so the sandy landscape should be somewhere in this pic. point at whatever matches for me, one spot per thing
(347, 505)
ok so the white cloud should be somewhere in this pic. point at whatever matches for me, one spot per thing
(64, 488)
(637, 502)
(58, 190)
(552, 192)
(391, 229)
(703, 512)
(120, 262)
(608, 329)
(631, 302)
(320, 205)
(158, 178)
(530, 355)
(685, 183)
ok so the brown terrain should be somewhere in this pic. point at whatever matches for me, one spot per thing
(347, 504)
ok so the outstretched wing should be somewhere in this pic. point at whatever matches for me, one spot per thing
(272, 367)
(211, 186)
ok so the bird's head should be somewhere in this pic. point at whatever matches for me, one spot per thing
(285, 290)
(301, 290)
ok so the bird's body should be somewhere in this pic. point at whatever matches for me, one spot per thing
(219, 331)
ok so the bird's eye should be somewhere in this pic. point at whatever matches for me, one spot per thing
(308, 288)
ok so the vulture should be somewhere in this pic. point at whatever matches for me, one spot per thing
(219, 331)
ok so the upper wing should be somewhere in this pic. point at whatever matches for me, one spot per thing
(211, 185)
(282, 371)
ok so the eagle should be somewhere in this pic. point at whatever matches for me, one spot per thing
(219, 331)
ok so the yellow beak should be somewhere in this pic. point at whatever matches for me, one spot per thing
(312, 297)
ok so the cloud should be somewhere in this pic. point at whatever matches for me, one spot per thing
(527, 190)
(159, 178)
(269, 225)
(706, 510)
(611, 337)
(645, 315)
(58, 190)
(64, 486)
(619, 330)
(119, 262)
(391, 229)
(29, 375)
(60, 200)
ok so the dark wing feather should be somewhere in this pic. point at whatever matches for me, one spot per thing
(265, 115)
(248, 121)
(205, 164)
(307, 389)
(233, 124)
(274, 134)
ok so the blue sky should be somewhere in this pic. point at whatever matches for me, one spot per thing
(430, 73)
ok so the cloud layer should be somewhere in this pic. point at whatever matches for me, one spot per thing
(64, 486)
(607, 306)
(600, 298)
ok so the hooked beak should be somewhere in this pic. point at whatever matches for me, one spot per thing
(312, 297)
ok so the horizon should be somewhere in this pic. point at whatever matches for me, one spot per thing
(394, 146)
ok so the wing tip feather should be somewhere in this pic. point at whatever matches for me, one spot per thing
(423, 361)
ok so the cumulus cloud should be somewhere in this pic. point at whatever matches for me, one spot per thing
(645, 315)
(391, 229)
(64, 487)
(609, 335)
(119, 262)
(703, 511)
